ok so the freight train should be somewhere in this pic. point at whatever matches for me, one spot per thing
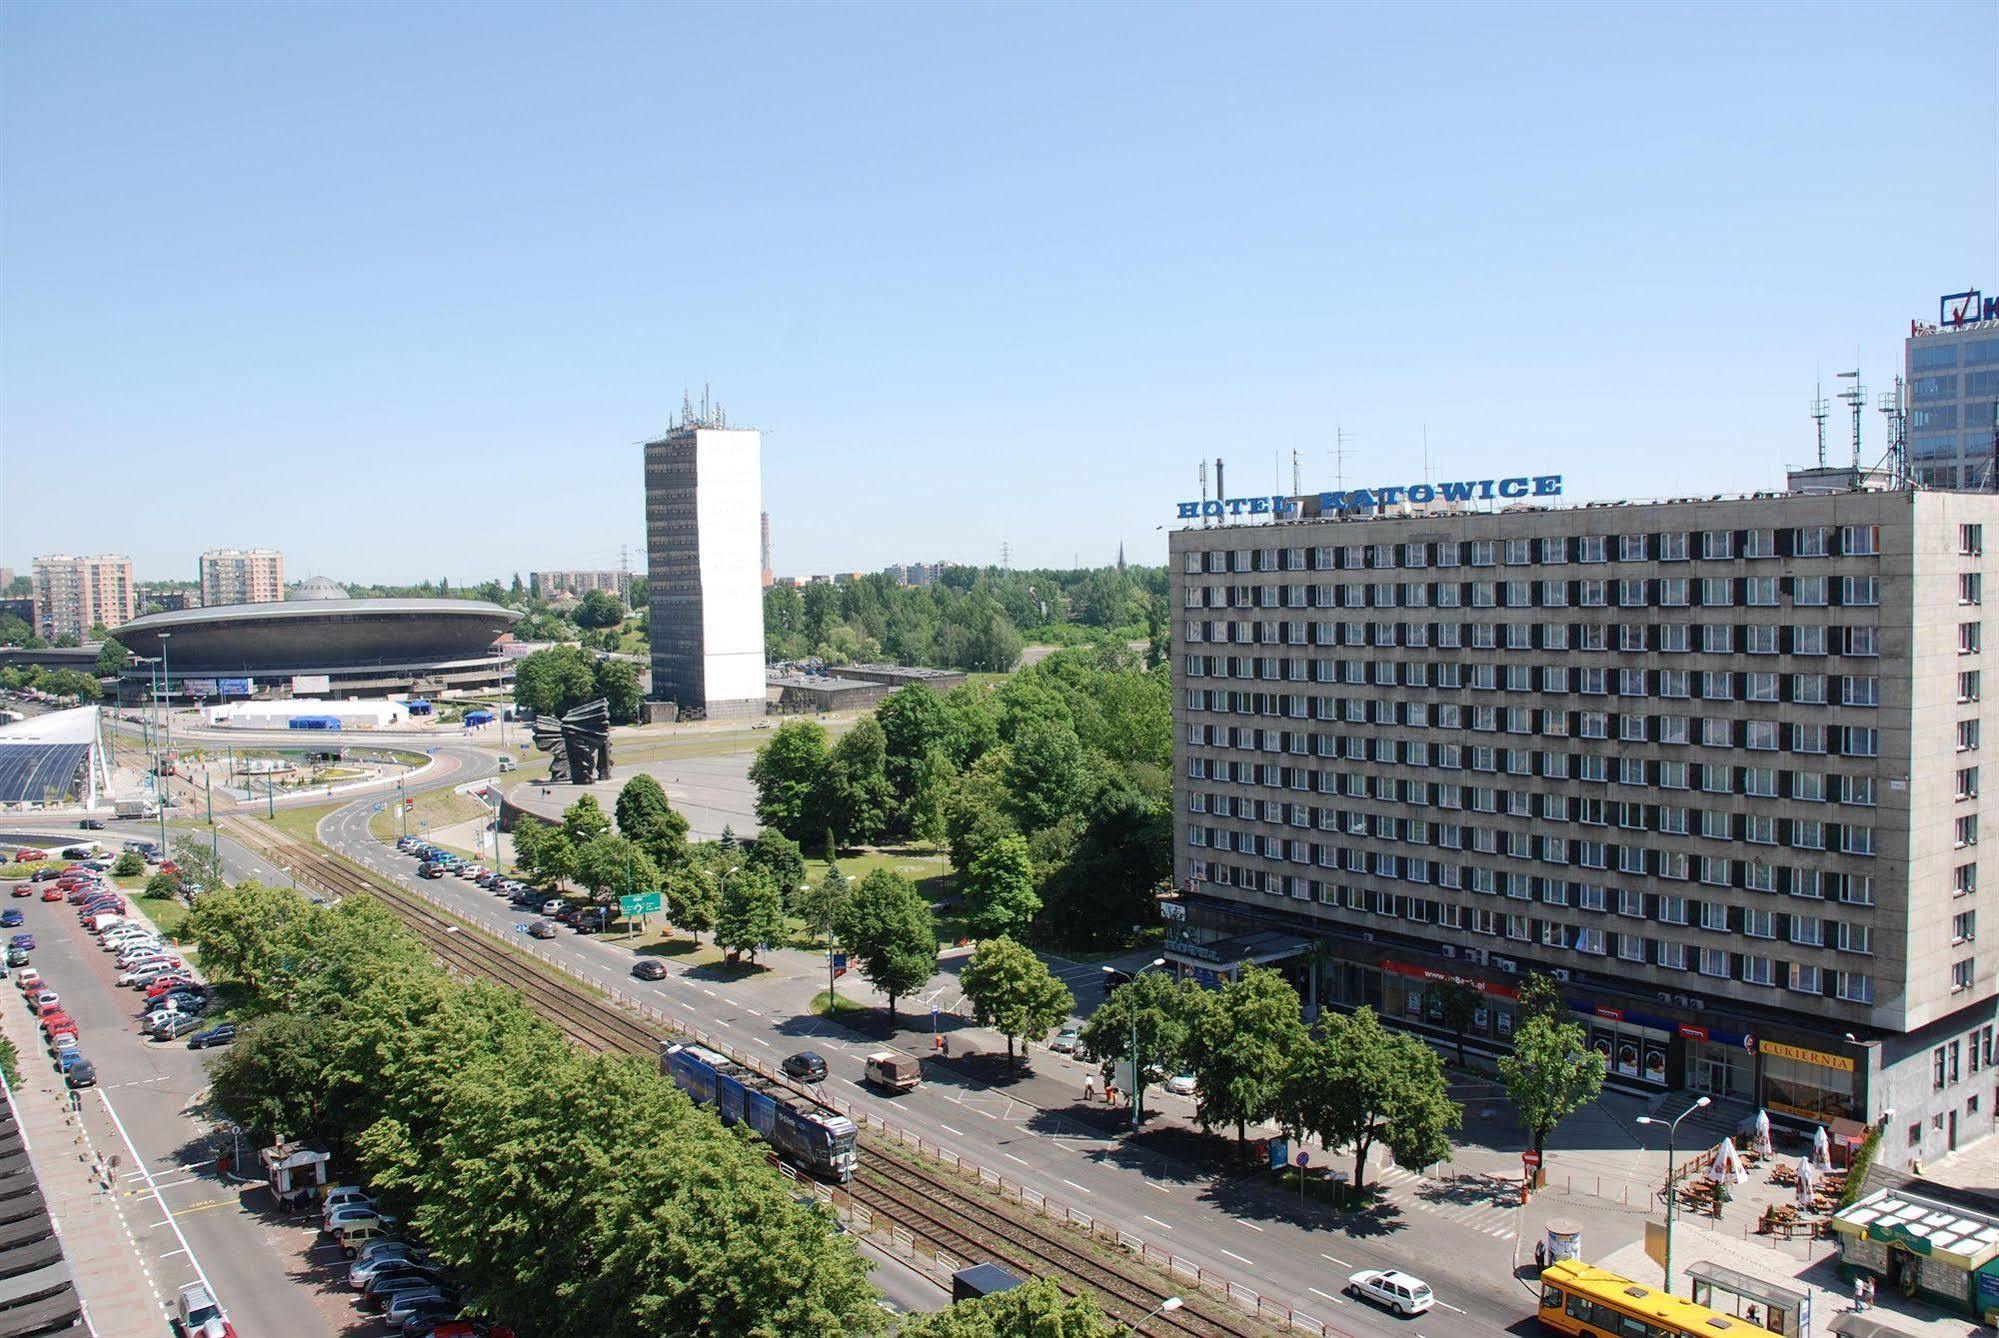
(812, 1136)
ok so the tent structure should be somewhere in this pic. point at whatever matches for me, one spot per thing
(1821, 1149)
(1726, 1165)
(1807, 1180)
(1760, 1133)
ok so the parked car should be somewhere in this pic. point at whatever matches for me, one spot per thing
(1399, 1291)
(171, 981)
(145, 973)
(68, 1057)
(485, 878)
(82, 1073)
(174, 1026)
(25, 888)
(382, 1254)
(806, 1066)
(221, 1034)
(41, 1001)
(30, 982)
(429, 870)
(343, 1196)
(78, 852)
(199, 1316)
(22, 941)
(52, 894)
(17, 956)
(1182, 1084)
(406, 1303)
(29, 856)
(424, 1316)
(542, 929)
(12, 917)
(342, 1220)
(92, 824)
(649, 968)
(400, 1276)
(1065, 1041)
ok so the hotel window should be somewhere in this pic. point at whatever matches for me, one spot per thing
(1807, 931)
(1805, 979)
(1859, 790)
(1759, 829)
(1859, 591)
(1591, 548)
(1855, 938)
(1590, 941)
(1966, 831)
(1759, 782)
(1718, 733)
(1856, 840)
(1717, 544)
(1759, 687)
(1717, 592)
(1759, 877)
(1808, 738)
(1807, 834)
(1447, 553)
(1714, 962)
(1717, 639)
(1964, 928)
(1675, 593)
(1809, 541)
(1415, 555)
(1519, 594)
(1672, 776)
(1759, 543)
(1483, 594)
(1631, 903)
(1631, 548)
(1483, 552)
(1860, 540)
(1631, 637)
(1960, 979)
(1808, 591)
(1592, 594)
(1854, 987)
(1967, 736)
(1970, 638)
(1672, 910)
(1758, 971)
(1760, 592)
(1717, 687)
(1970, 588)
(1808, 787)
(1673, 547)
(1592, 636)
(1861, 641)
(1672, 729)
(1967, 782)
(1675, 864)
(1519, 552)
(1808, 640)
(1673, 956)
(1675, 683)
(1808, 689)
(1760, 639)
(1964, 880)
(1631, 593)
(1630, 948)
(1970, 540)
(1554, 552)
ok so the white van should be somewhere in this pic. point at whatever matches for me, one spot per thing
(102, 921)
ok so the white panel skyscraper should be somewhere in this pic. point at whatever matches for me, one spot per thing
(704, 503)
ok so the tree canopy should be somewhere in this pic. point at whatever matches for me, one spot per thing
(1358, 1084)
(1013, 992)
(888, 926)
(1241, 1039)
(1550, 1074)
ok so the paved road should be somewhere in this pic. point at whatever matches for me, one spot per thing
(188, 1224)
(1462, 1241)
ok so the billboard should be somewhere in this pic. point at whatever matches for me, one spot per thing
(307, 684)
(235, 687)
(200, 687)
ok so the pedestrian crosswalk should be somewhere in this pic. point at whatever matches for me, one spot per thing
(1472, 1201)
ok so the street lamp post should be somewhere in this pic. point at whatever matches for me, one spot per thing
(167, 680)
(1672, 1199)
(1166, 1306)
(1137, 1068)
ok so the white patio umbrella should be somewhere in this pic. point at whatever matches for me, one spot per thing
(1726, 1164)
(1763, 1132)
(1821, 1149)
(1806, 1180)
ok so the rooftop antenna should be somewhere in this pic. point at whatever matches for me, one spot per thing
(1006, 556)
(1204, 494)
(1857, 397)
(1821, 410)
(1339, 459)
(1297, 486)
(1898, 437)
(1426, 454)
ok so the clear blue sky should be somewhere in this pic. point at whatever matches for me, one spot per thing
(397, 288)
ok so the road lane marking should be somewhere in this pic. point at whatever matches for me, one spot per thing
(1073, 1185)
(1448, 1306)
(1251, 1225)
(1239, 1259)
(1022, 1160)
(761, 1041)
(139, 1163)
(1334, 1299)
(1156, 1222)
(1161, 1188)
(1341, 1262)
(955, 1133)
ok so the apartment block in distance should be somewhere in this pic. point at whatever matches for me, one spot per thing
(1713, 765)
(242, 576)
(552, 584)
(704, 490)
(75, 594)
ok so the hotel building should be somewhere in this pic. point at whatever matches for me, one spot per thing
(1713, 765)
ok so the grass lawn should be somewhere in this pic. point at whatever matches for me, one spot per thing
(439, 808)
(841, 1004)
(300, 822)
(929, 870)
(166, 912)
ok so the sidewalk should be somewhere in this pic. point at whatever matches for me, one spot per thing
(119, 1293)
(1831, 1294)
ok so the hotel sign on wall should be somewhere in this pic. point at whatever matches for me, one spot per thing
(1371, 499)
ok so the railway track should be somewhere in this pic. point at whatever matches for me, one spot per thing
(941, 1208)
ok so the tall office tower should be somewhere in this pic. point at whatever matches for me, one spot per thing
(242, 576)
(1953, 393)
(768, 579)
(75, 594)
(704, 491)
(1713, 766)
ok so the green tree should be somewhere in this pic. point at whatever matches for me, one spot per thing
(889, 928)
(923, 817)
(752, 913)
(1035, 1309)
(864, 801)
(1240, 1039)
(793, 774)
(692, 899)
(1107, 889)
(645, 816)
(129, 864)
(978, 813)
(1158, 1008)
(1359, 1084)
(611, 866)
(111, 657)
(554, 681)
(584, 821)
(1048, 774)
(913, 721)
(1541, 997)
(1551, 1074)
(597, 609)
(197, 863)
(617, 682)
(776, 856)
(1457, 1003)
(820, 903)
(13, 631)
(1013, 992)
(241, 930)
(999, 890)
(163, 885)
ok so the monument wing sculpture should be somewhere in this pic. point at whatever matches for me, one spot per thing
(578, 744)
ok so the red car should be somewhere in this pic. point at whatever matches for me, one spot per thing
(51, 894)
(24, 889)
(56, 1020)
(29, 856)
(177, 980)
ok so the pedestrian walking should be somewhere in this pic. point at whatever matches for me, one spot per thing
(1110, 1094)
(1540, 1254)
(1089, 1087)
(1870, 1293)
(1860, 1293)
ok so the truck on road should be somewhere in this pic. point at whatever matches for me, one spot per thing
(894, 1071)
(136, 808)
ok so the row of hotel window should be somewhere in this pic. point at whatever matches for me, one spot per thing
(1674, 684)
(1635, 949)
(1980, 386)
(1588, 811)
(1718, 592)
(1755, 875)
(1945, 354)
(1754, 735)
(1944, 1066)
(1555, 550)
(1763, 638)
(1983, 386)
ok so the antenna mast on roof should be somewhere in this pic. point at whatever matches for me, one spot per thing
(1821, 410)
(1898, 434)
(1340, 459)
(1857, 397)
(1204, 493)
(1297, 486)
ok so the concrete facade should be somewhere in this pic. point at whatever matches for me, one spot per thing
(75, 594)
(551, 584)
(704, 490)
(240, 576)
(1712, 764)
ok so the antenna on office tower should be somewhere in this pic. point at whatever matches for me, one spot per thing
(1297, 484)
(1857, 397)
(1204, 494)
(1898, 434)
(1340, 459)
(1821, 410)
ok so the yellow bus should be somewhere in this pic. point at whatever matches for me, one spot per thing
(1589, 1302)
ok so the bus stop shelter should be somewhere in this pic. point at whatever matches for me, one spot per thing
(1728, 1292)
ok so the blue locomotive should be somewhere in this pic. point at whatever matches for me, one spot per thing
(813, 1137)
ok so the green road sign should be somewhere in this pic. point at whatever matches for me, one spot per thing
(645, 903)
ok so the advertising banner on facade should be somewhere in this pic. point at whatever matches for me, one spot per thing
(305, 685)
